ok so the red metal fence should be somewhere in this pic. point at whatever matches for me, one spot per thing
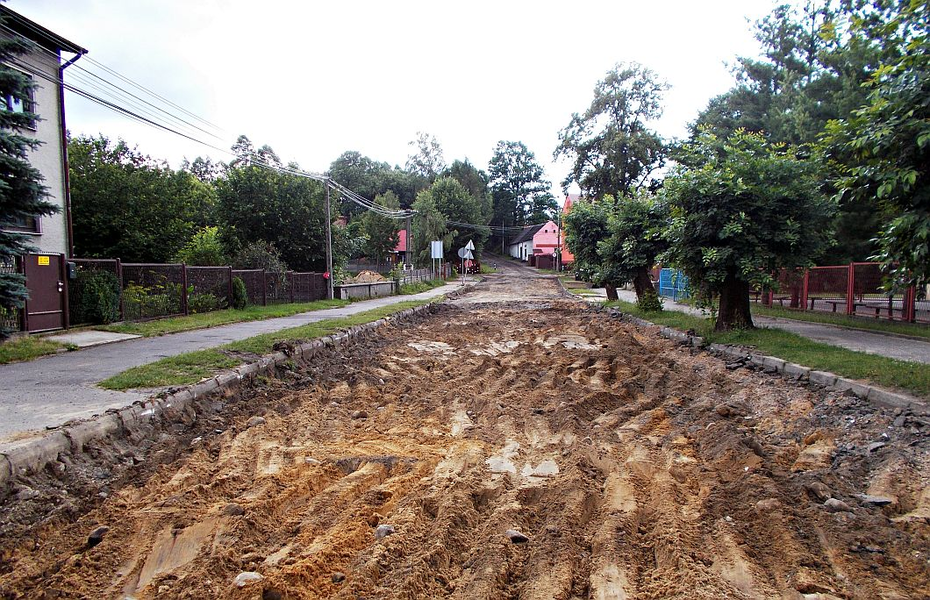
(854, 289)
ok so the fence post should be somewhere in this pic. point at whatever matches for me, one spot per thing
(264, 289)
(229, 290)
(65, 307)
(909, 310)
(804, 284)
(851, 290)
(119, 276)
(184, 305)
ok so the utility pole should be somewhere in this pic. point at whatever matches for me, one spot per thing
(329, 246)
(502, 237)
(409, 251)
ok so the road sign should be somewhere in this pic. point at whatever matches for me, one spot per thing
(470, 245)
(466, 254)
(435, 249)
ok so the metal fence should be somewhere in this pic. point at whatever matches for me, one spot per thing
(673, 284)
(11, 319)
(149, 290)
(854, 289)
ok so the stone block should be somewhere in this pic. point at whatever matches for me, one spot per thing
(888, 399)
(843, 384)
(80, 434)
(774, 362)
(797, 371)
(32, 456)
(822, 378)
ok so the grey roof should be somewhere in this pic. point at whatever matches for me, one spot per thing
(526, 234)
(35, 32)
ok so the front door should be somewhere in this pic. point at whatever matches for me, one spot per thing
(46, 285)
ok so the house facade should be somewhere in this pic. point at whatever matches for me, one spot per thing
(45, 65)
(567, 256)
(521, 246)
(546, 240)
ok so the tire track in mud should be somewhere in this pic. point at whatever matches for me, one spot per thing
(636, 470)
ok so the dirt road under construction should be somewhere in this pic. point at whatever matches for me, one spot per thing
(511, 444)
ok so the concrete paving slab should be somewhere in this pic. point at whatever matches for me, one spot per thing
(90, 337)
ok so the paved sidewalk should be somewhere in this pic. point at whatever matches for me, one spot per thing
(51, 390)
(889, 345)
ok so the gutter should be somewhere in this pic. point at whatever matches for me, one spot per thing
(65, 167)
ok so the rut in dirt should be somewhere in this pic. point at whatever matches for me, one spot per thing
(394, 468)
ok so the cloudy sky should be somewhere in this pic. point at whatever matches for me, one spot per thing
(315, 79)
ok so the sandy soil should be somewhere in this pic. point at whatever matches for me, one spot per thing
(633, 469)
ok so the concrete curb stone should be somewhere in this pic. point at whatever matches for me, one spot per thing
(32, 457)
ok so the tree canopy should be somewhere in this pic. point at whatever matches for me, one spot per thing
(741, 209)
(612, 149)
(519, 187)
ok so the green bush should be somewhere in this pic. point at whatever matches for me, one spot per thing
(650, 302)
(204, 249)
(94, 297)
(201, 303)
(140, 302)
(240, 296)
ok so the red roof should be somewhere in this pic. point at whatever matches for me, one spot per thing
(401, 241)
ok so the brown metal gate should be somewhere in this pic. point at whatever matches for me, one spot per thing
(45, 280)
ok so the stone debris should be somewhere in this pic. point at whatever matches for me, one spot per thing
(96, 536)
(243, 579)
(516, 537)
(255, 421)
(383, 531)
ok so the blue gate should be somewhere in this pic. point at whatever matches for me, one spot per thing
(673, 284)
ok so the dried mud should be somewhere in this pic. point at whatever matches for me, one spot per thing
(635, 468)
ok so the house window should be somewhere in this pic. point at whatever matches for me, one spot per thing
(25, 224)
(18, 105)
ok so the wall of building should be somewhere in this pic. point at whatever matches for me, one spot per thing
(47, 158)
(546, 239)
(521, 250)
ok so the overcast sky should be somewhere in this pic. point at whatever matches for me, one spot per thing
(315, 79)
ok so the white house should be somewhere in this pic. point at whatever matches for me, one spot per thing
(522, 245)
(45, 64)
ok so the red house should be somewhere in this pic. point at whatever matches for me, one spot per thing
(567, 256)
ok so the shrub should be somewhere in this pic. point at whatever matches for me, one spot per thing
(94, 297)
(260, 255)
(204, 249)
(140, 302)
(240, 296)
(649, 302)
(201, 303)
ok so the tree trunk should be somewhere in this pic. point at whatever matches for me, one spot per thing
(611, 292)
(642, 283)
(734, 310)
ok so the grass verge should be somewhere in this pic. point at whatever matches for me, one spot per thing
(862, 323)
(888, 372)
(25, 348)
(191, 367)
(421, 286)
(218, 317)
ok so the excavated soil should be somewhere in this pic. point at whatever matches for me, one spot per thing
(631, 467)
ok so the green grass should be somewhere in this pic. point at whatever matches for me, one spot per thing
(218, 317)
(863, 323)
(24, 348)
(193, 366)
(910, 376)
(421, 286)
(486, 270)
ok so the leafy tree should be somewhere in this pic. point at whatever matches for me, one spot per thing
(370, 178)
(259, 255)
(429, 225)
(883, 148)
(381, 232)
(22, 195)
(204, 249)
(611, 147)
(475, 181)
(427, 161)
(257, 204)
(130, 206)
(519, 188)
(743, 208)
(586, 225)
(203, 169)
(636, 238)
(460, 209)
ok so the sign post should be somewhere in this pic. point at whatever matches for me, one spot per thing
(435, 253)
